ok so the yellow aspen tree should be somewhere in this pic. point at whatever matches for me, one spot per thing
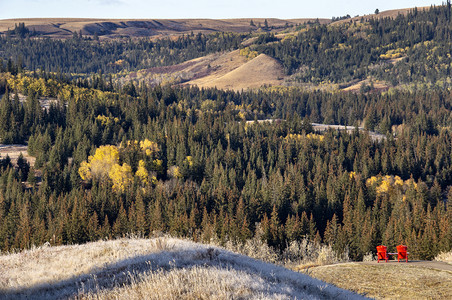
(149, 147)
(99, 165)
(142, 173)
(121, 176)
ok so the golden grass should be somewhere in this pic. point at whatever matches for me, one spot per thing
(357, 86)
(388, 280)
(199, 70)
(220, 65)
(227, 70)
(191, 283)
(262, 70)
(48, 264)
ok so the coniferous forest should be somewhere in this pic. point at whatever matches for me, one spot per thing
(116, 159)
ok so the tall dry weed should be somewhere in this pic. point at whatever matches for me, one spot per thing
(369, 257)
(307, 253)
(255, 248)
(444, 257)
(161, 244)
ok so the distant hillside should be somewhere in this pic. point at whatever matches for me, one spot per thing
(162, 268)
(228, 70)
(262, 70)
(403, 48)
(408, 48)
(116, 28)
(393, 13)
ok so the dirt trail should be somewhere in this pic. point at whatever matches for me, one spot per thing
(439, 265)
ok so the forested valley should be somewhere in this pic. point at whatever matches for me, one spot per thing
(114, 159)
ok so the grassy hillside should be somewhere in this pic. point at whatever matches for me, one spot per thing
(262, 70)
(161, 268)
(198, 70)
(227, 70)
(118, 28)
(406, 48)
(393, 13)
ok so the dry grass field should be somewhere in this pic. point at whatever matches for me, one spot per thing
(160, 268)
(205, 68)
(262, 70)
(227, 70)
(357, 86)
(390, 280)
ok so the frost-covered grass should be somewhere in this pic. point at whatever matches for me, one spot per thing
(444, 257)
(298, 254)
(161, 268)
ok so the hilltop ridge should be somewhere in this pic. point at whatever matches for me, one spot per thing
(161, 267)
(118, 28)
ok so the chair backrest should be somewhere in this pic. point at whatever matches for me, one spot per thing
(401, 251)
(381, 251)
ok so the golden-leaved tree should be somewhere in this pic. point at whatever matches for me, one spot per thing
(105, 164)
(121, 176)
(99, 165)
(142, 173)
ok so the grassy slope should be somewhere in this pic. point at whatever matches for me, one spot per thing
(222, 70)
(161, 268)
(252, 74)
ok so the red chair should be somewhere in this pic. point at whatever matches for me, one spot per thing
(382, 253)
(402, 253)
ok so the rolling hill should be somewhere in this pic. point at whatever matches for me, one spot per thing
(228, 70)
(262, 70)
(117, 28)
(162, 268)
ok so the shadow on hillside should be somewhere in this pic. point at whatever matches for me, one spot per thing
(123, 273)
(111, 275)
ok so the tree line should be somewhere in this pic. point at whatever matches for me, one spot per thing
(210, 174)
(84, 55)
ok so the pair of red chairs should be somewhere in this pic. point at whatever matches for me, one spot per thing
(384, 255)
